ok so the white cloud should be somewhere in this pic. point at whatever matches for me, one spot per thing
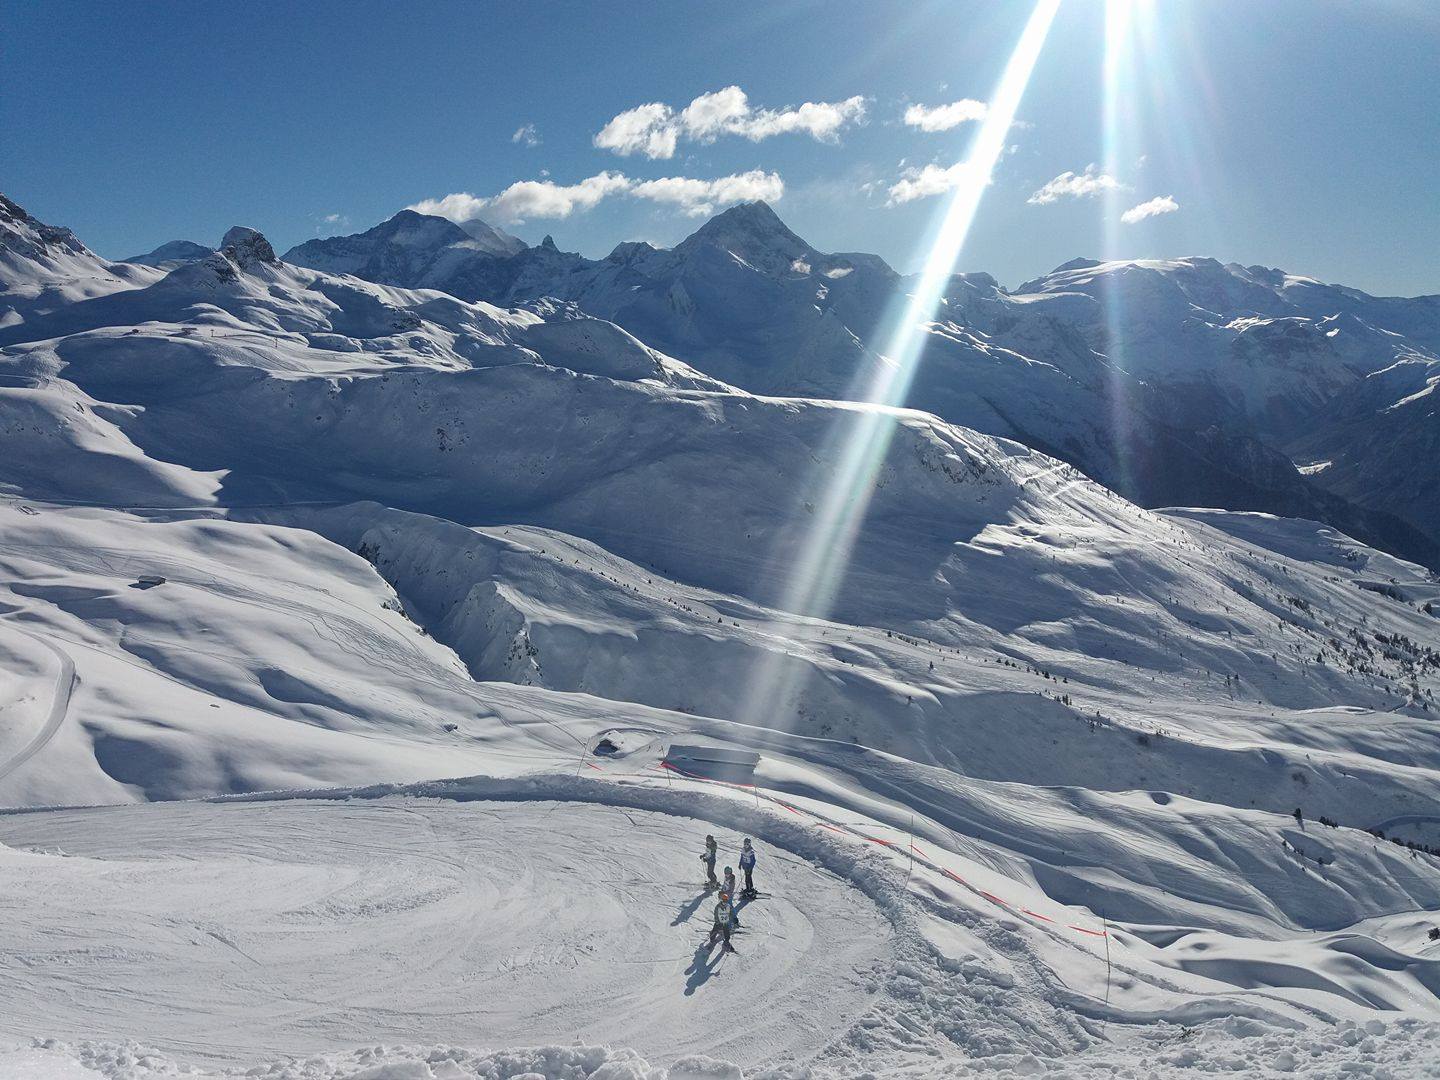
(1073, 185)
(645, 129)
(526, 135)
(930, 180)
(945, 117)
(710, 115)
(697, 197)
(655, 129)
(334, 219)
(457, 206)
(547, 199)
(1161, 204)
(821, 120)
(528, 199)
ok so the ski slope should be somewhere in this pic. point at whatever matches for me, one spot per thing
(207, 939)
(228, 933)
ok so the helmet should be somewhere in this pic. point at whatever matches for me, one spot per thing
(747, 842)
(729, 870)
(708, 837)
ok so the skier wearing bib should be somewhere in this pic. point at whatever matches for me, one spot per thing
(747, 864)
(709, 860)
(724, 912)
(729, 890)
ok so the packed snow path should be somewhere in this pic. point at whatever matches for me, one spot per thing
(60, 706)
(237, 932)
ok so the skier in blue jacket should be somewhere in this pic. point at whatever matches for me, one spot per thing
(747, 864)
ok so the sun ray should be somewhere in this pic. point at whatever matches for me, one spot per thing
(862, 436)
(1119, 120)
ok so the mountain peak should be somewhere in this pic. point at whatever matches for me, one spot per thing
(758, 211)
(410, 229)
(247, 248)
(32, 238)
(171, 254)
(754, 232)
(32, 253)
(629, 251)
(754, 219)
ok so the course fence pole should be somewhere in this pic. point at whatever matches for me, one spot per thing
(910, 853)
(1105, 926)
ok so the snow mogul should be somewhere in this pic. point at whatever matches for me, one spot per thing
(709, 860)
(724, 913)
(747, 864)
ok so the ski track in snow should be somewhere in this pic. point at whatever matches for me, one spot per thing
(233, 932)
(60, 706)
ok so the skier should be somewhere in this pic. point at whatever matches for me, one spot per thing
(724, 912)
(729, 890)
(709, 860)
(747, 864)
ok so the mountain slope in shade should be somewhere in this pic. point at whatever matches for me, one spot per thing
(1378, 444)
(1264, 346)
(1341, 381)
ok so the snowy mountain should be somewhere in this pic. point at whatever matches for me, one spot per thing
(1026, 792)
(1377, 444)
(170, 255)
(412, 250)
(1216, 370)
(43, 267)
(1326, 373)
(1262, 345)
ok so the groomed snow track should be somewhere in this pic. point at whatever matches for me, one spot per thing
(271, 934)
(230, 932)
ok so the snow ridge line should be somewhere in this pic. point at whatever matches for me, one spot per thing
(914, 853)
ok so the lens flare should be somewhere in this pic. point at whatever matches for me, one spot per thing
(1118, 88)
(862, 435)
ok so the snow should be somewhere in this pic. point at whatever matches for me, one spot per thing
(411, 249)
(44, 267)
(1168, 380)
(1024, 801)
(228, 932)
(250, 925)
(171, 254)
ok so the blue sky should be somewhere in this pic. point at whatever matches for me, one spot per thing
(1294, 133)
